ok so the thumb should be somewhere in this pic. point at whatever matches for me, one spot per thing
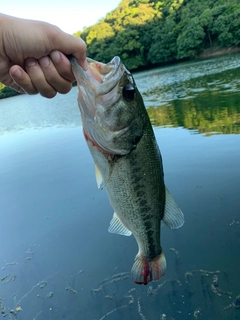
(69, 44)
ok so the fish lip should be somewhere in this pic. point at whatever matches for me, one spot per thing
(111, 73)
(96, 99)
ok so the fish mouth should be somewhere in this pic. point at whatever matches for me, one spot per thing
(99, 100)
(100, 77)
(98, 86)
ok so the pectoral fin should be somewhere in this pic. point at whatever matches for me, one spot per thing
(173, 216)
(99, 178)
(116, 226)
(98, 174)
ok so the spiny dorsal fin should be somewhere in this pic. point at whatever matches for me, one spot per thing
(117, 227)
(173, 216)
(99, 178)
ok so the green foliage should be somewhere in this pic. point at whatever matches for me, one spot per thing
(6, 92)
(148, 32)
(164, 46)
(215, 117)
(190, 40)
(144, 32)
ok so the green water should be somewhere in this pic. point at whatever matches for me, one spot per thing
(57, 259)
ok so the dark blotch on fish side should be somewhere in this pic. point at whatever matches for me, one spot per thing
(137, 179)
(140, 194)
(147, 224)
(149, 233)
(143, 202)
(152, 249)
(136, 170)
(145, 217)
(145, 209)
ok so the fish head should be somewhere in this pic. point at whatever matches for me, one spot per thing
(111, 106)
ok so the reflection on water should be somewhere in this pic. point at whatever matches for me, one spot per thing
(200, 96)
(57, 259)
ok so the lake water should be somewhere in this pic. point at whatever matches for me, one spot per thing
(57, 259)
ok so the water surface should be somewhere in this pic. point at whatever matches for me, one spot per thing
(57, 259)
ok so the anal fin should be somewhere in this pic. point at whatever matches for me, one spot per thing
(116, 226)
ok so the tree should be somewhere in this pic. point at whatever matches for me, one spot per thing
(131, 49)
(221, 27)
(190, 39)
(206, 21)
(163, 47)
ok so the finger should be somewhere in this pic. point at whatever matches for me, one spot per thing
(21, 81)
(82, 59)
(62, 64)
(69, 44)
(53, 77)
(38, 78)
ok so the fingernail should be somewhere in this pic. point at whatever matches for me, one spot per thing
(55, 56)
(17, 73)
(30, 62)
(44, 62)
(85, 65)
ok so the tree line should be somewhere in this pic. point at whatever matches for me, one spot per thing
(145, 33)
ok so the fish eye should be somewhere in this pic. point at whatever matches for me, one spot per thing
(128, 92)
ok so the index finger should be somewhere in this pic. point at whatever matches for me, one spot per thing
(69, 44)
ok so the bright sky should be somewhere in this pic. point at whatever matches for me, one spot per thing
(69, 15)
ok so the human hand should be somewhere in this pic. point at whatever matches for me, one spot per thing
(33, 56)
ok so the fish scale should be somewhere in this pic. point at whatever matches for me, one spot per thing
(128, 161)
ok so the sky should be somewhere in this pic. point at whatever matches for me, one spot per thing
(69, 15)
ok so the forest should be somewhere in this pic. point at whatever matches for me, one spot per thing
(145, 33)
(151, 33)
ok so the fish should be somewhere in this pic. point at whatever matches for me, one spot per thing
(128, 162)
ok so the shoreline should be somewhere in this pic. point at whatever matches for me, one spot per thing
(205, 54)
(216, 51)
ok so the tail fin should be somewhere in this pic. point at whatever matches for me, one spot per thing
(145, 271)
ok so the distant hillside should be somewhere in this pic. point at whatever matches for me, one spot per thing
(144, 33)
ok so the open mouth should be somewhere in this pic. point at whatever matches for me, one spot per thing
(100, 77)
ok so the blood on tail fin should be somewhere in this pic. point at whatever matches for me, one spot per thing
(145, 271)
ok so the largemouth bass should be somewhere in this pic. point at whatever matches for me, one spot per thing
(127, 160)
